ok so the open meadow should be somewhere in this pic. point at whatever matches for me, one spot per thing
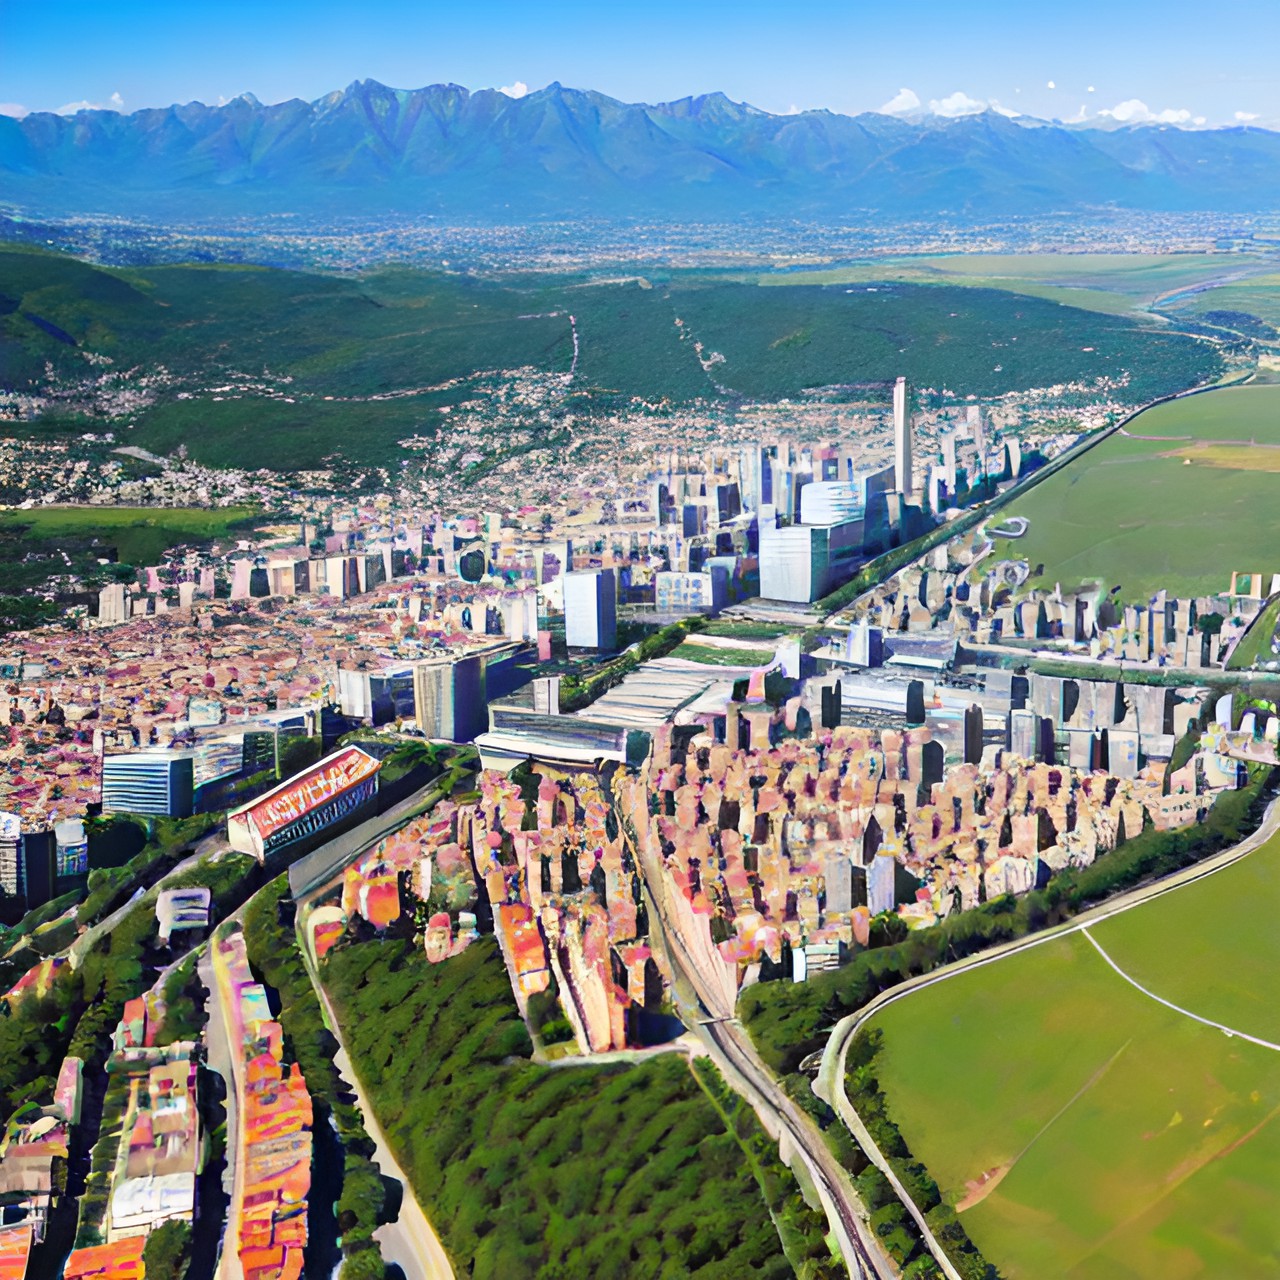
(1086, 1130)
(1177, 500)
(1110, 283)
(140, 535)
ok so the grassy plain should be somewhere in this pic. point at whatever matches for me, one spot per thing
(140, 534)
(714, 657)
(1143, 513)
(1123, 1138)
(1110, 283)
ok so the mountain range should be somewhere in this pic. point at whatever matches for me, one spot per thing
(569, 153)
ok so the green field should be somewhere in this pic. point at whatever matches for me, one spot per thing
(713, 656)
(1127, 1139)
(429, 337)
(1143, 514)
(139, 534)
(1111, 283)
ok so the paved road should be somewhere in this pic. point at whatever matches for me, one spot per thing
(222, 1057)
(830, 1082)
(410, 1241)
(732, 1051)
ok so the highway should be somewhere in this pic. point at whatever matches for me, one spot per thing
(831, 1075)
(710, 1014)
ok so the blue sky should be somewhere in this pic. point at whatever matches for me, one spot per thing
(1183, 60)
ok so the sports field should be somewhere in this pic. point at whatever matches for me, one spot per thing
(1178, 502)
(1119, 1137)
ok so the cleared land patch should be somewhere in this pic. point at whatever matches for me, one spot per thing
(1108, 1134)
(1130, 513)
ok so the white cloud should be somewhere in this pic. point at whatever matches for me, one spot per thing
(1091, 89)
(1051, 85)
(1135, 111)
(792, 110)
(113, 103)
(956, 104)
(1001, 110)
(14, 109)
(517, 90)
(902, 101)
(1079, 118)
(1245, 116)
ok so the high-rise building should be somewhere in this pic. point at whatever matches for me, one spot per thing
(450, 697)
(902, 438)
(159, 783)
(590, 609)
(882, 884)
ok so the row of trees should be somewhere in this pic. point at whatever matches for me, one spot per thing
(889, 1218)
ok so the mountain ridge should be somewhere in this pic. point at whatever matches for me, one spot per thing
(559, 152)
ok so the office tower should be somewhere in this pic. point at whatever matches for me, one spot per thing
(590, 609)
(881, 884)
(450, 697)
(902, 438)
(973, 734)
(159, 783)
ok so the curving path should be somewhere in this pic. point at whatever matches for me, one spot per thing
(1168, 1004)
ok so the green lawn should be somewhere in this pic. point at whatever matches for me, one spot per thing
(140, 534)
(1138, 1143)
(1124, 515)
(716, 657)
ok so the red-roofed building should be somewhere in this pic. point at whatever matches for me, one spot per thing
(119, 1261)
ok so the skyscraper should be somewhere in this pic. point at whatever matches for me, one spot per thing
(902, 438)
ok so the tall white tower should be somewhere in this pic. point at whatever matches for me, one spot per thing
(902, 439)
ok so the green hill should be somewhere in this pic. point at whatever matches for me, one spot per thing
(284, 369)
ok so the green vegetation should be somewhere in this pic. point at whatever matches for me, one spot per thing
(714, 656)
(1113, 283)
(167, 1255)
(532, 1171)
(140, 535)
(892, 1221)
(1116, 1134)
(788, 1022)
(801, 1229)
(431, 337)
(1254, 646)
(275, 955)
(577, 692)
(1150, 514)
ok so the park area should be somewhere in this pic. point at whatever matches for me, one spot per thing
(1082, 1128)
(1177, 500)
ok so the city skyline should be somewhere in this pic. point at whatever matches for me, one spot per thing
(832, 56)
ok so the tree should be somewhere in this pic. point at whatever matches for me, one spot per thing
(168, 1251)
